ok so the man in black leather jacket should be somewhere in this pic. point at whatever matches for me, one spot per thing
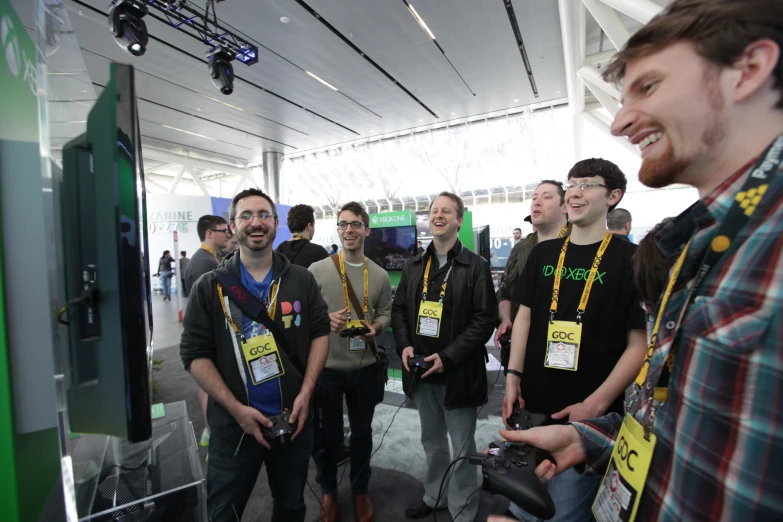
(445, 310)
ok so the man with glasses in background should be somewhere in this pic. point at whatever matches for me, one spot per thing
(213, 233)
(256, 370)
(351, 369)
(578, 338)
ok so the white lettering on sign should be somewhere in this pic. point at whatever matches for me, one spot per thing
(388, 219)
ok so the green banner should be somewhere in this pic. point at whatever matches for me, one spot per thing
(19, 103)
(402, 218)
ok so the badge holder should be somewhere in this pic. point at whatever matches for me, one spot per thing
(356, 344)
(562, 345)
(262, 358)
(429, 319)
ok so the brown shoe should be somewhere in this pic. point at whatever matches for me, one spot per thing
(362, 508)
(329, 510)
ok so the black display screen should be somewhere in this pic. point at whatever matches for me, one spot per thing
(392, 247)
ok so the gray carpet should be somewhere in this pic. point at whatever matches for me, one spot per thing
(397, 466)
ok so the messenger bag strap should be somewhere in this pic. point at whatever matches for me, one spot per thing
(255, 310)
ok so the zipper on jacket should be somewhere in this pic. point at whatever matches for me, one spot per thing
(242, 438)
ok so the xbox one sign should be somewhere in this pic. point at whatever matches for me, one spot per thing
(391, 219)
(13, 58)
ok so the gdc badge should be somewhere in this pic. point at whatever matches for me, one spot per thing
(430, 314)
(619, 494)
(562, 345)
(356, 344)
(262, 358)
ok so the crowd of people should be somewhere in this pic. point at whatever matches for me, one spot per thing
(658, 366)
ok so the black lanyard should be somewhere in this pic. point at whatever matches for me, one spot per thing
(745, 203)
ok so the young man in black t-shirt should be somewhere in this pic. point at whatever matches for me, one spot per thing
(573, 356)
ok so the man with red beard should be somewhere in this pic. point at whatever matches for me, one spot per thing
(252, 371)
(702, 88)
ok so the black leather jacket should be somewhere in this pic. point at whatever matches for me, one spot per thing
(473, 320)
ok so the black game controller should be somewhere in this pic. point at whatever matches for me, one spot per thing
(280, 428)
(510, 470)
(354, 331)
(522, 419)
(418, 364)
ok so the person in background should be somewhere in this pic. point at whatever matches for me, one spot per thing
(183, 263)
(213, 232)
(517, 235)
(651, 269)
(299, 249)
(164, 271)
(702, 97)
(334, 250)
(419, 248)
(619, 223)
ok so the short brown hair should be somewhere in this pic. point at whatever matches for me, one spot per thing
(558, 185)
(456, 199)
(720, 30)
(651, 267)
(232, 211)
(357, 209)
(299, 216)
(614, 179)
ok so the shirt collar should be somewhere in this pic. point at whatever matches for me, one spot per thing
(455, 250)
(707, 211)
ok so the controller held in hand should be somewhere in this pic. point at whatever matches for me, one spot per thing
(281, 429)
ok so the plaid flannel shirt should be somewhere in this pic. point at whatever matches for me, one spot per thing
(719, 454)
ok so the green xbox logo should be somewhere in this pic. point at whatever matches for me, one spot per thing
(10, 45)
(374, 220)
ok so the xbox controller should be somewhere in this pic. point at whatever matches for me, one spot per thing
(418, 364)
(521, 419)
(510, 470)
(355, 331)
(280, 428)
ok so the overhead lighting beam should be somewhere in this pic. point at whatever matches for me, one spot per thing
(188, 132)
(322, 81)
(420, 20)
(512, 18)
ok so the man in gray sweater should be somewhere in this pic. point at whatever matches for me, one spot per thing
(351, 369)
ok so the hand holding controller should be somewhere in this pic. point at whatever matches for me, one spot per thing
(355, 331)
(510, 470)
(521, 419)
(280, 428)
(417, 364)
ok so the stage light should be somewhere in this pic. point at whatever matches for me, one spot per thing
(220, 69)
(127, 26)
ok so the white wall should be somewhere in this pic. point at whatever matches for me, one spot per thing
(169, 212)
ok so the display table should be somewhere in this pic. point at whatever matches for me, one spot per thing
(159, 480)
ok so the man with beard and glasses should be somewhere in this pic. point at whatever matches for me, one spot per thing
(702, 88)
(352, 371)
(252, 372)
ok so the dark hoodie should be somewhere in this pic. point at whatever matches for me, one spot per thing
(300, 312)
(302, 252)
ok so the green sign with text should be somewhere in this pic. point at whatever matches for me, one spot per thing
(402, 218)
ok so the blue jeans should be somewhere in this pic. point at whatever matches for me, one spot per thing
(234, 466)
(573, 495)
(360, 389)
(165, 278)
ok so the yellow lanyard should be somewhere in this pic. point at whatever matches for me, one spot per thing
(205, 247)
(588, 283)
(654, 334)
(563, 232)
(426, 283)
(296, 237)
(344, 278)
(271, 310)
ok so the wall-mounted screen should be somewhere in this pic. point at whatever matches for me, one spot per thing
(391, 247)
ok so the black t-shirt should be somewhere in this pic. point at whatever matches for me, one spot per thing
(302, 252)
(613, 309)
(430, 345)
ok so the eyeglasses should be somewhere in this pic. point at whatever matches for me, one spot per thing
(223, 230)
(356, 225)
(247, 217)
(583, 186)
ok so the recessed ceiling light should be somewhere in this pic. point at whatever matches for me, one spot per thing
(557, 92)
(198, 109)
(345, 136)
(516, 100)
(285, 19)
(320, 80)
(453, 113)
(421, 120)
(84, 91)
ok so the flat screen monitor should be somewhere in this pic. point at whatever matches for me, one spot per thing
(481, 242)
(109, 312)
(391, 247)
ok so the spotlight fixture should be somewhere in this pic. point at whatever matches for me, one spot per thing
(127, 26)
(220, 69)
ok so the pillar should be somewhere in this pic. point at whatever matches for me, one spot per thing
(271, 167)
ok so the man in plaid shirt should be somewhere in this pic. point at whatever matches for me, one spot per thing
(703, 100)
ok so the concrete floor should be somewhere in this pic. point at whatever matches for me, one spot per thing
(398, 464)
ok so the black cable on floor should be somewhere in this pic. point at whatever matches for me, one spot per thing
(320, 518)
(466, 502)
(442, 481)
(379, 445)
(489, 392)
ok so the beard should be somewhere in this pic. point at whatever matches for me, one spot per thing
(244, 239)
(670, 168)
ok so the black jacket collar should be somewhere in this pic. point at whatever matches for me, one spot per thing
(458, 252)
